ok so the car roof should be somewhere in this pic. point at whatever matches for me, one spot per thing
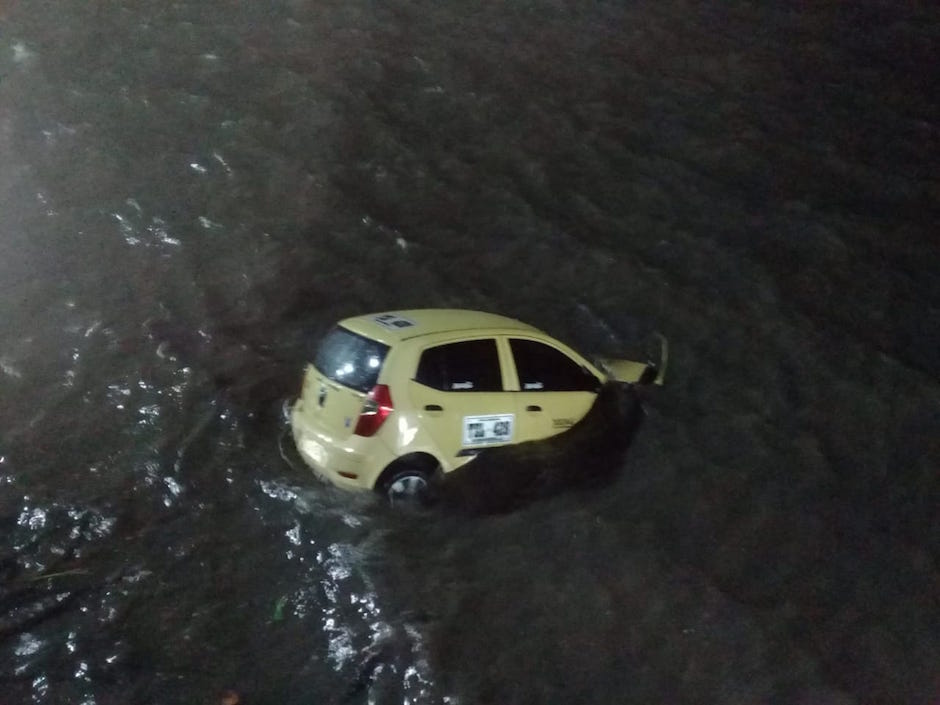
(390, 327)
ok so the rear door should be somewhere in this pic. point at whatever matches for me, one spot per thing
(555, 390)
(344, 370)
(460, 399)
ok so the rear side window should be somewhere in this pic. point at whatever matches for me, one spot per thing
(542, 368)
(468, 366)
(350, 359)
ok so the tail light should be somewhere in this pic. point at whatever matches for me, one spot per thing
(375, 410)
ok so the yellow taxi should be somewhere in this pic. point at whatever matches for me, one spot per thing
(393, 399)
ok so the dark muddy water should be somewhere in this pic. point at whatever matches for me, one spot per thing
(191, 192)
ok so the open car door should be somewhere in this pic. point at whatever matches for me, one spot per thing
(639, 372)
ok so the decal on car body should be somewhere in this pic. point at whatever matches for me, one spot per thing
(393, 321)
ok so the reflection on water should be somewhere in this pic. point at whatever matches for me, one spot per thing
(384, 654)
(313, 586)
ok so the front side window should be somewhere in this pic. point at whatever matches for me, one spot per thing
(467, 366)
(350, 359)
(542, 368)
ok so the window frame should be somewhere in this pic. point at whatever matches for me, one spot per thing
(573, 356)
(500, 362)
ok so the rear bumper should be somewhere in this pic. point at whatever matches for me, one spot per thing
(344, 463)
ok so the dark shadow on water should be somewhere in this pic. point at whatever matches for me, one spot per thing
(249, 372)
(588, 455)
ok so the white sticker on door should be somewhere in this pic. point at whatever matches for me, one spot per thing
(486, 430)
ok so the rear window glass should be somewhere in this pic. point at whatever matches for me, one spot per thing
(350, 359)
(543, 368)
(468, 366)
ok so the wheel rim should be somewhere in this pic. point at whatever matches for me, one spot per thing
(408, 487)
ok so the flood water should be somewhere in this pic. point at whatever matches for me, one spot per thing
(192, 192)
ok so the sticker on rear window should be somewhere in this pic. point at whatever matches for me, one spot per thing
(485, 430)
(393, 321)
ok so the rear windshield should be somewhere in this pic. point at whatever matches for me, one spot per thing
(350, 359)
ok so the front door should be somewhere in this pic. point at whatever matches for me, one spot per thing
(555, 391)
(459, 396)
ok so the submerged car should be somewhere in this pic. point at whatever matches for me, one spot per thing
(393, 399)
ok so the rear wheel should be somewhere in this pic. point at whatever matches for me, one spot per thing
(409, 485)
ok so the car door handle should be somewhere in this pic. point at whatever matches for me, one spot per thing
(533, 407)
(433, 407)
